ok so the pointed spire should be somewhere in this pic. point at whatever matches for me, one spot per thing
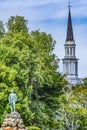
(69, 36)
(69, 4)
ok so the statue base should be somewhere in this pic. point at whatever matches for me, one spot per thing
(13, 121)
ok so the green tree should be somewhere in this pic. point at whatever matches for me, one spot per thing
(17, 24)
(47, 82)
(14, 73)
(30, 57)
(2, 29)
(72, 114)
(85, 82)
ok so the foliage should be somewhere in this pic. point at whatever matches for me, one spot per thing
(85, 81)
(32, 128)
(29, 66)
(2, 29)
(17, 24)
(73, 109)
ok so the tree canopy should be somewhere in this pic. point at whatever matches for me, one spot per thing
(29, 66)
(17, 24)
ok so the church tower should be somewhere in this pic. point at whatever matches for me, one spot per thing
(70, 62)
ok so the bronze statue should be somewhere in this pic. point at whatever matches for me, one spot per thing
(12, 100)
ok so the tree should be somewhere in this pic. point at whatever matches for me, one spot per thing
(2, 29)
(73, 109)
(17, 24)
(31, 58)
(47, 82)
(85, 81)
(14, 74)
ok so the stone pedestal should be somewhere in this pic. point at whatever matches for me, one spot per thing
(13, 121)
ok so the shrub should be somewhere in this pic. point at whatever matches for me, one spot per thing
(33, 128)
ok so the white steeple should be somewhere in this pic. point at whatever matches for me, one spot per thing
(70, 62)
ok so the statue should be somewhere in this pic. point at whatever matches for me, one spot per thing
(12, 100)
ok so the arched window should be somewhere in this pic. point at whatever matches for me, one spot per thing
(70, 51)
(67, 68)
(67, 51)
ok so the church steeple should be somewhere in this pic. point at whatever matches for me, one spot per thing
(70, 62)
(69, 36)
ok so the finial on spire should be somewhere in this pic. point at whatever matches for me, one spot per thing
(69, 5)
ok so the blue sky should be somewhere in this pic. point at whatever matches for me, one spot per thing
(50, 16)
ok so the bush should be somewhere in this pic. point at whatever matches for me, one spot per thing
(33, 128)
